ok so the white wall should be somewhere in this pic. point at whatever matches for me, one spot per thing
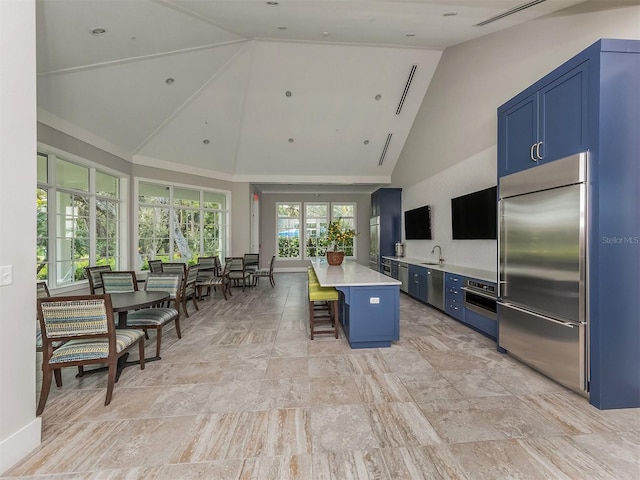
(452, 145)
(19, 427)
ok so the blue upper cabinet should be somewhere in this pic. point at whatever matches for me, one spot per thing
(386, 203)
(546, 122)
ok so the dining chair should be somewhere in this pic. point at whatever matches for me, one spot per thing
(251, 262)
(119, 281)
(175, 267)
(155, 266)
(154, 318)
(237, 271)
(42, 291)
(85, 323)
(189, 289)
(95, 280)
(208, 270)
(264, 272)
(221, 281)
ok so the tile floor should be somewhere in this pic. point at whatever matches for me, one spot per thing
(246, 395)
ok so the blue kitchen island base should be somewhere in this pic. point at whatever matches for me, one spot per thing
(370, 316)
(369, 302)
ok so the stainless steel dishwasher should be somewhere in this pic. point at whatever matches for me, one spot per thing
(435, 288)
(403, 276)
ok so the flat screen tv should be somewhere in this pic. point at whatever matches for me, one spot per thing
(474, 216)
(417, 223)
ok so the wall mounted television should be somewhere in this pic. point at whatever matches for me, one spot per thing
(417, 223)
(474, 216)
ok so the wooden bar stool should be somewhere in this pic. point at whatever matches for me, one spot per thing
(319, 297)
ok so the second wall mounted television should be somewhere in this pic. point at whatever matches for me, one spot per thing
(417, 223)
(474, 216)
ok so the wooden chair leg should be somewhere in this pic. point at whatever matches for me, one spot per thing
(141, 353)
(57, 373)
(158, 340)
(311, 318)
(44, 393)
(184, 307)
(177, 323)
(111, 381)
(80, 371)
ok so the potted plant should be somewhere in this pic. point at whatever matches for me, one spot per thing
(337, 233)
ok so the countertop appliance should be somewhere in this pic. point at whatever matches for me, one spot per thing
(374, 243)
(399, 249)
(480, 297)
(542, 317)
(403, 276)
(435, 288)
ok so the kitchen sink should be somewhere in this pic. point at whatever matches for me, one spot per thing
(430, 263)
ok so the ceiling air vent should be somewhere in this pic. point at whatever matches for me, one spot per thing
(509, 12)
(384, 150)
(406, 88)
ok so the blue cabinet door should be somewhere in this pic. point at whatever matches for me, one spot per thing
(418, 282)
(544, 125)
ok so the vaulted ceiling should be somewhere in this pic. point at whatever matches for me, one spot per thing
(289, 92)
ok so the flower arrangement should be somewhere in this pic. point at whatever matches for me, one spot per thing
(339, 232)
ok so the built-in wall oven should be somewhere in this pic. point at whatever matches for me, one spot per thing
(480, 297)
(386, 266)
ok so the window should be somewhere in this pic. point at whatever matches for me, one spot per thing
(314, 235)
(179, 223)
(316, 220)
(78, 219)
(288, 230)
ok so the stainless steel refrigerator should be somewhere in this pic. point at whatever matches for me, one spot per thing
(542, 307)
(374, 243)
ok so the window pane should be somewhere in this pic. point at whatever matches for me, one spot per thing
(316, 210)
(150, 193)
(43, 174)
(316, 237)
(70, 175)
(187, 238)
(153, 235)
(214, 200)
(289, 210)
(211, 235)
(338, 211)
(106, 231)
(42, 229)
(107, 185)
(186, 198)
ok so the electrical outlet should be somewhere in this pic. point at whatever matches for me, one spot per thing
(374, 300)
(6, 275)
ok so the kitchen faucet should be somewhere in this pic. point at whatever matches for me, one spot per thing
(440, 259)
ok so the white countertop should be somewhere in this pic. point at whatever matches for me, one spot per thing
(486, 275)
(349, 274)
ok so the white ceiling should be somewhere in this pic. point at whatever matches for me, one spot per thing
(227, 114)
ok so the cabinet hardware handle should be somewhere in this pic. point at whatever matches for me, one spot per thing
(533, 159)
(538, 145)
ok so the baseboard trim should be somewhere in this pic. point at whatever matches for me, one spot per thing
(17, 446)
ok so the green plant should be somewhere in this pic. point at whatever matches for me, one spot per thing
(339, 233)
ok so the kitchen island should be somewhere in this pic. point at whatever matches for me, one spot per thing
(369, 302)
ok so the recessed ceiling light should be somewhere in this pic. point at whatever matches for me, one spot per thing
(206, 141)
(410, 35)
(291, 140)
(366, 142)
(169, 80)
(98, 31)
(450, 14)
(288, 93)
(378, 97)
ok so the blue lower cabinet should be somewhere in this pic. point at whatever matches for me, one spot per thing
(454, 296)
(481, 323)
(370, 316)
(418, 279)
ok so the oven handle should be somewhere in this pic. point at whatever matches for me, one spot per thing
(480, 294)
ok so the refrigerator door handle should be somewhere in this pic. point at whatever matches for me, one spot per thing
(529, 312)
